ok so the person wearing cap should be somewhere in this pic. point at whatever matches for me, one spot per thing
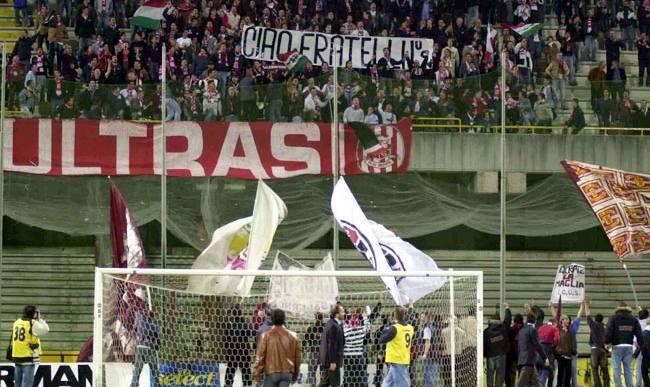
(26, 345)
(398, 338)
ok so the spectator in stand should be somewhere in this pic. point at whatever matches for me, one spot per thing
(627, 110)
(85, 30)
(524, 62)
(23, 48)
(643, 48)
(596, 78)
(27, 100)
(576, 121)
(613, 48)
(55, 35)
(645, 352)
(15, 77)
(606, 110)
(21, 13)
(644, 16)
(644, 114)
(238, 335)
(621, 330)
(626, 18)
(616, 80)
(41, 26)
(313, 104)
(495, 347)
(543, 112)
(558, 71)
(590, 28)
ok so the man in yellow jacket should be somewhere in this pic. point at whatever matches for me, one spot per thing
(26, 345)
(398, 339)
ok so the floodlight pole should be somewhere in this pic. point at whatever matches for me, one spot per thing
(502, 189)
(335, 157)
(163, 162)
(2, 176)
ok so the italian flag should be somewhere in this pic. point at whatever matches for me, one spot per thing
(149, 14)
(525, 30)
(294, 61)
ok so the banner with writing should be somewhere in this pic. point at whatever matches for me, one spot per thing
(243, 150)
(569, 283)
(267, 44)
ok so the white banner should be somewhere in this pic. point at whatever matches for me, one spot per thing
(569, 283)
(266, 44)
(303, 296)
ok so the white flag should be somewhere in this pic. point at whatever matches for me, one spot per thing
(242, 244)
(302, 296)
(383, 249)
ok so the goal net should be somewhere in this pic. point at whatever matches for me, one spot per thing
(150, 330)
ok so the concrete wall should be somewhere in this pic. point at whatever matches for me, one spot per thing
(462, 152)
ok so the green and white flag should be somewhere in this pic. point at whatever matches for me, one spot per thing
(525, 30)
(149, 14)
(294, 61)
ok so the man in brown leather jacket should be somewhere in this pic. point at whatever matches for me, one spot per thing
(278, 355)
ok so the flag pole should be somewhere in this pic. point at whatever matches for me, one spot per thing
(502, 189)
(163, 162)
(629, 278)
(335, 158)
(2, 169)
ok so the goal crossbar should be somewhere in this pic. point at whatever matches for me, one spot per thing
(289, 273)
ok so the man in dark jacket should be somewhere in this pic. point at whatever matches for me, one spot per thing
(622, 328)
(23, 48)
(331, 348)
(238, 336)
(495, 347)
(599, 367)
(511, 357)
(576, 121)
(643, 47)
(529, 349)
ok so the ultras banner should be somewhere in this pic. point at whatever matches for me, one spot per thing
(245, 150)
(267, 44)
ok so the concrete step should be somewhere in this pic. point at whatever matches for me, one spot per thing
(6, 10)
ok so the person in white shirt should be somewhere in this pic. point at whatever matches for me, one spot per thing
(360, 31)
(353, 113)
(184, 41)
(387, 115)
(371, 117)
(312, 105)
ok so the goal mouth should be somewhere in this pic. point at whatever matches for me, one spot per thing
(153, 325)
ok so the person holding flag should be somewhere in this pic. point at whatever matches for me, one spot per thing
(398, 339)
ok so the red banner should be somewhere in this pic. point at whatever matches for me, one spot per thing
(621, 202)
(245, 150)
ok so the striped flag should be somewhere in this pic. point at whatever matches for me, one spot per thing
(149, 14)
(525, 30)
(621, 202)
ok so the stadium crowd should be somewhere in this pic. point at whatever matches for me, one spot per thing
(115, 73)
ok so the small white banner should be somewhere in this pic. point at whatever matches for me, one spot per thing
(302, 297)
(569, 284)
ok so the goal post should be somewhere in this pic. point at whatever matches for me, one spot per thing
(147, 319)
